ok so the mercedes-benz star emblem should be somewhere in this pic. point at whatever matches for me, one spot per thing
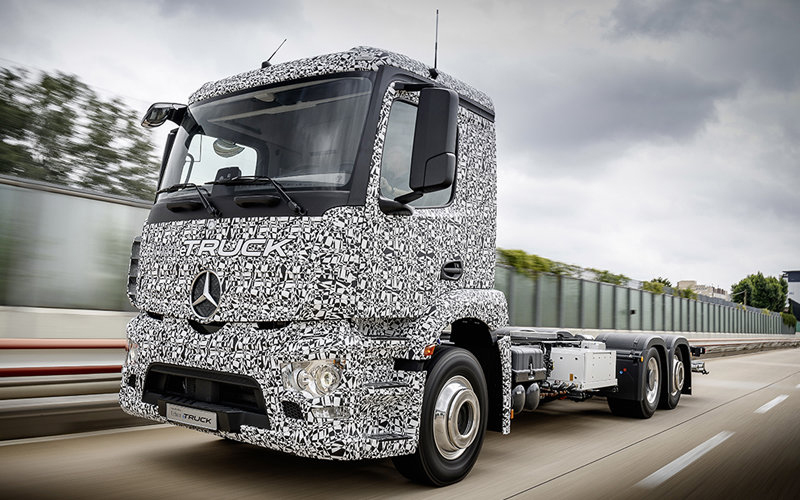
(205, 294)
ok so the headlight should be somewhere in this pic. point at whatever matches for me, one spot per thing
(133, 353)
(315, 378)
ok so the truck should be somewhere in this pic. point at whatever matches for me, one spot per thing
(316, 275)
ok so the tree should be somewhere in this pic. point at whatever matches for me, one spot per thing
(55, 103)
(605, 276)
(57, 129)
(15, 158)
(789, 319)
(532, 264)
(653, 286)
(663, 281)
(763, 292)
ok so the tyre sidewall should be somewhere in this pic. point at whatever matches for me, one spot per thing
(669, 400)
(445, 365)
(647, 409)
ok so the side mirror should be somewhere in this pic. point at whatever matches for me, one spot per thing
(160, 112)
(433, 160)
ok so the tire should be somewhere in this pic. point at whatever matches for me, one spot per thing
(453, 422)
(651, 390)
(677, 377)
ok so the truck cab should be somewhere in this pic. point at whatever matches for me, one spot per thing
(307, 249)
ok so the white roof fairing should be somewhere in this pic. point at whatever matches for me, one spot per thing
(355, 59)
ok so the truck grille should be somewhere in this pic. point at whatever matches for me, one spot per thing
(232, 391)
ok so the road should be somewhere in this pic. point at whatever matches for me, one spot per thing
(737, 437)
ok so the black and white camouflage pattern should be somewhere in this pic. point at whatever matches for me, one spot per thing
(352, 284)
(351, 262)
(355, 59)
(383, 404)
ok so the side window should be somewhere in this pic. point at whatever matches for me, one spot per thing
(396, 162)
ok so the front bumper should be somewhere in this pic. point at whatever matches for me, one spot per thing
(377, 407)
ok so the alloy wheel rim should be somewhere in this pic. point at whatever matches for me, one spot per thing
(456, 417)
(652, 380)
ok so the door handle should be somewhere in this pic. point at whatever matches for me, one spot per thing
(452, 270)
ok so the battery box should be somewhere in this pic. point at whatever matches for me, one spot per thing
(585, 368)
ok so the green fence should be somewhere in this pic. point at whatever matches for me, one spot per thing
(63, 247)
(563, 302)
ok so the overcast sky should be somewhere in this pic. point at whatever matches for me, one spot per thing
(652, 138)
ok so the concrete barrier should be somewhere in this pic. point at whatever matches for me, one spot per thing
(43, 322)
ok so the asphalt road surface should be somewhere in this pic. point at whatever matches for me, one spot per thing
(738, 436)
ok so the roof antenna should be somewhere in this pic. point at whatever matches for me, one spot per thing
(266, 63)
(433, 71)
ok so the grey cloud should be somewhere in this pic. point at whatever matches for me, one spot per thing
(665, 18)
(757, 40)
(759, 200)
(233, 10)
(15, 37)
(625, 102)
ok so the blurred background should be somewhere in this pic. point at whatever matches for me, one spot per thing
(77, 175)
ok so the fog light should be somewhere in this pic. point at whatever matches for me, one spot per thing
(327, 378)
(314, 378)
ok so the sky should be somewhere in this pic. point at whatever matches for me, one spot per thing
(650, 138)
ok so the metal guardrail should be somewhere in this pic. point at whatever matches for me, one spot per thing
(48, 400)
(37, 400)
(33, 371)
(729, 347)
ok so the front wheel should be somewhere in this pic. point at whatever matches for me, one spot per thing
(454, 415)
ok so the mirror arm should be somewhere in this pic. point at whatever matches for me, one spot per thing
(408, 197)
(177, 114)
(394, 207)
(412, 87)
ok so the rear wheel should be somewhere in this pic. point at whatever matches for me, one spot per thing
(677, 377)
(454, 415)
(651, 390)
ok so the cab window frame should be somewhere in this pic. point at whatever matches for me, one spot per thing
(412, 101)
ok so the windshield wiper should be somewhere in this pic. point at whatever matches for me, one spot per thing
(211, 209)
(263, 179)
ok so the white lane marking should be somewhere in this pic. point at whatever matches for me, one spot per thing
(797, 386)
(772, 404)
(60, 437)
(677, 465)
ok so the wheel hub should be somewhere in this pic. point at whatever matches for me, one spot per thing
(652, 380)
(455, 417)
(677, 375)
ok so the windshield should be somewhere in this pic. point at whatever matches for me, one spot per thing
(304, 135)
